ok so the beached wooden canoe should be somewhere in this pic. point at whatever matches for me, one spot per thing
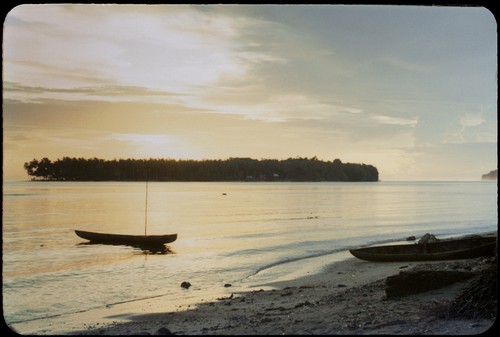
(464, 248)
(131, 240)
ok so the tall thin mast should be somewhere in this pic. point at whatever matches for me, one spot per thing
(146, 210)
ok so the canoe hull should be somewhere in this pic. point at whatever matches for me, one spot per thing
(442, 250)
(122, 239)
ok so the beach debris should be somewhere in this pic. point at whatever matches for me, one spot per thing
(185, 285)
(411, 238)
(341, 285)
(304, 304)
(417, 281)
(267, 320)
(163, 331)
(227, 285)
(428, 238)
(479, 298)
(225, 298)
(280, 308)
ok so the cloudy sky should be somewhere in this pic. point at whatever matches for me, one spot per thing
(410, 90)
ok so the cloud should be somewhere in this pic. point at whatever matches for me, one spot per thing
(142, 139)
(172, 49)
(473, 128)
(395, 120)
(279, 107)
(172, 54)
(122, 93)
(406, 65)
(469, 120)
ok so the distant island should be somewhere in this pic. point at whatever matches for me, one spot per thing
(490, 176)
(232, 169)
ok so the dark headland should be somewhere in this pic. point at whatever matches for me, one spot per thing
(490, 176)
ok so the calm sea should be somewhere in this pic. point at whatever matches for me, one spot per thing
(243, 234)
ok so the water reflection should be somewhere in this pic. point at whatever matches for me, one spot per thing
(159, 249)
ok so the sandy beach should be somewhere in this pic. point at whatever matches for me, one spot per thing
(348, 297)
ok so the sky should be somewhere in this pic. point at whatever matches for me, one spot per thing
(411, 90)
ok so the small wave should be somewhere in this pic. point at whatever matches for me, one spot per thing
(31, 319)
(294, 246)
(295, 259)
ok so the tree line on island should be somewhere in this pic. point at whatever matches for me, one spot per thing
(232, 169)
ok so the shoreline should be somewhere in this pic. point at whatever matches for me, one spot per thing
(349, 298)
(345, 297)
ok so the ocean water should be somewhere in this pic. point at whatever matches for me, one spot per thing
(244, 234)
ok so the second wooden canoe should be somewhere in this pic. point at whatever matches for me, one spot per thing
(464, 248)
